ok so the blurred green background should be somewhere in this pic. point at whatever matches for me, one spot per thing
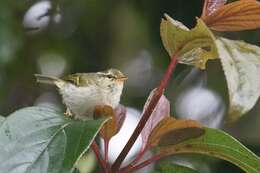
(62, 37)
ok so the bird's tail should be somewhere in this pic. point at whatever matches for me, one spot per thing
(49, 80)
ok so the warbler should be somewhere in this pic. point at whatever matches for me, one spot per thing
(82, 92)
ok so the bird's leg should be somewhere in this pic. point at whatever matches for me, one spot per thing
(68, 113)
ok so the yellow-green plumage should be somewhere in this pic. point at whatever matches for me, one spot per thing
(81, 92)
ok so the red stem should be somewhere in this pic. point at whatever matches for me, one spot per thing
(96, 150)
(147, 113)
(168, 74)
(137, 158)
(106, 144)
(143, 164)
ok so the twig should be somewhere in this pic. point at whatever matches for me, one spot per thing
(143, 164)
(147, 113)
(96, 150)
(106, 144)
(137, 158)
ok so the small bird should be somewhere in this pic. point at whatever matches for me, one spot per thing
(82, 92)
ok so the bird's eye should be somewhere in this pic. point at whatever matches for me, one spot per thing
(110, 76)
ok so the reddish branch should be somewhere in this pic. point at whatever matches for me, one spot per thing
(135, 161)
(147, 113)
(143, 164)
(106, 144)
(96, 150)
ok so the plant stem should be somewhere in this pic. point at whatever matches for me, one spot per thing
(106, 144)
(143, 164)
(96, 150)
(147, 113)
(137, 158)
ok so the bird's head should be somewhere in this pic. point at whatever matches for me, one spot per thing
(111, 81)
(112, 75)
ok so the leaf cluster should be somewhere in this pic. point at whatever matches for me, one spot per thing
(40, 140)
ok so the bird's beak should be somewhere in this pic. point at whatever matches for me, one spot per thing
(121, 78)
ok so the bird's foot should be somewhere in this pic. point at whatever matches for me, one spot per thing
(68, 113)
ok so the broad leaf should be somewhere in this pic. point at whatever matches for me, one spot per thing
(40, 140)
(174, 168)
(235, 16)
(218, 144)
(194, 47)
(112, 126)
(161, 111)
(1, 120)
(109, 129)
(120, 115)
(171, 131)
(241, 64)
(211, 6)
(87, 163)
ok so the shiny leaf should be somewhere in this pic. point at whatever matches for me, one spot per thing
(241, 64)
(218, 144)
(40, 140)
(161, 111)
(235, 16)
(194, 47)
(212, 5)
(171, 131)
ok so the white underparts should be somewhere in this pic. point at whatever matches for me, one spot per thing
(82, 100)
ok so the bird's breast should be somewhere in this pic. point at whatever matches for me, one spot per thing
(82, 100)
(112, 94)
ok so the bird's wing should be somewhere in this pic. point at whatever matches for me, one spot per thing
(80, 79)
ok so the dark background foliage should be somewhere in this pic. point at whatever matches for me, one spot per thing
(94, 35)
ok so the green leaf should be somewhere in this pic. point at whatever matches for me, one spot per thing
(40, 140)
(170, 131)
(194, 47)
(76, 171)
(218, 144)
(87, 163)
(174, 168)
(241, 64)
(2, 119)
